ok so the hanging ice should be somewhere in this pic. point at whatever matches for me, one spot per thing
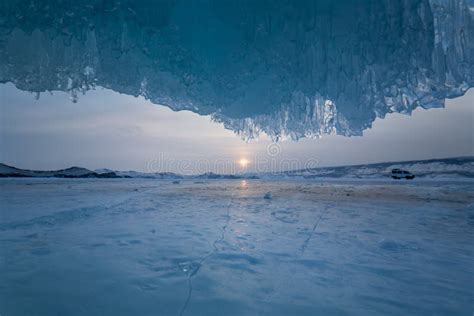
(296, 68)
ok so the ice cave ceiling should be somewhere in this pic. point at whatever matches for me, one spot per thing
(288, 68)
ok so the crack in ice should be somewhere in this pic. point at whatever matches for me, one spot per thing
(224, 229)
(305, 244)
(315, 226)
(70, 215)
(200, 263)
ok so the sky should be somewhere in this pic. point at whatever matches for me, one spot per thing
(106, 129)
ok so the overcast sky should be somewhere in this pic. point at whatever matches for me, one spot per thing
(110, 130)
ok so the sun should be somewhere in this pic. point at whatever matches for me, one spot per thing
(243, 162)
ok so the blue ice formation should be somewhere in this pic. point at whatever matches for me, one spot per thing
(288, 68)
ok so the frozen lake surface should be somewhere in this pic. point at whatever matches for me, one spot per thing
(153, 247)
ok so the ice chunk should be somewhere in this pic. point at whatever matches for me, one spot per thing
(288, 68)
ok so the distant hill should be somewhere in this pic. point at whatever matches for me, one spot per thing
(461, 167)
(137, 174)
(73, 172)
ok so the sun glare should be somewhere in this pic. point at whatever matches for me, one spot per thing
(243, 162)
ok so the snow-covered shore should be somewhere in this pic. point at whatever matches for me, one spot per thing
(448, 168)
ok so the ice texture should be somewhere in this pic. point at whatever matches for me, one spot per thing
(151, 247)
(288, 68)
